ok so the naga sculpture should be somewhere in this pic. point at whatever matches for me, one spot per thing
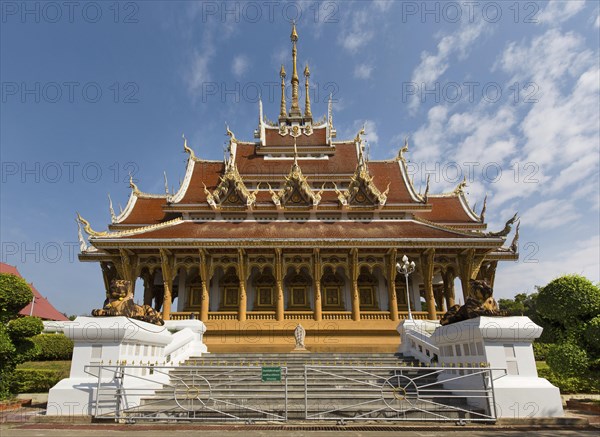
(119, 302)
(481, 303)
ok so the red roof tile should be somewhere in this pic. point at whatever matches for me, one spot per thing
(447, 209)
(41, 308)
(295, 230)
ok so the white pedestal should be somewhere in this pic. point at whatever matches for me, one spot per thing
(504, 343)
(112, 340)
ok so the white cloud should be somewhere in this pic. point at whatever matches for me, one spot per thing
(382, 5)
(550, 214)
(597, 22)
(559, 11)
(363, 71)
(358, 33)
(240, 65)
(434, 65)
(580, 257)
(199, 72)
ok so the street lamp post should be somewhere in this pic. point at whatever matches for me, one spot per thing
(406, 268)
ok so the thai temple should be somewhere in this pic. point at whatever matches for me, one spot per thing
(297, 226)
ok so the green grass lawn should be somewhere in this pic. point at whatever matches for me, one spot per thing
(64, 367)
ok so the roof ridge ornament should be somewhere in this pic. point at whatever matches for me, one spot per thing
(507, 227)
(482, 213)
(113, 216)
(188, 150)
(403, 150)
(460, 188)
(88, 228)
(83, 247)
(426, 194)
(514, 246)
(133, 186)
(166, 183)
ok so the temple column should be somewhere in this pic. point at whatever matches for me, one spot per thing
(168, 265)
(465, 271)
(392, 286)
(427, 273)
(355, 295)
(109, 273)
(279, 316)
(242, 278)
(487, 272)
(448, 278)
(204, 277)
(317, 278)
(148, 287)
(128, 269)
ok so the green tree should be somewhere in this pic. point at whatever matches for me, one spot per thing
(568, 308)
(16, 345)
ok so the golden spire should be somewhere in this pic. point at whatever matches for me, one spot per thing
(307, 111)
(295, 109)
(283, 109)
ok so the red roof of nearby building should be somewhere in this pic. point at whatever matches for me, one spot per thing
(42, 308)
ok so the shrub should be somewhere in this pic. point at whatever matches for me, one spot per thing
(34, 380)
(15, 331)
(24, 327)
(53, 347)
(589, 383)
(15, 294)
(567, 359)
(569, 300)
(540, 351)
(592, 334)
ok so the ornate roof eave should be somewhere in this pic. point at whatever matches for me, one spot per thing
(446, 227)
(485, 244)
(95, 237)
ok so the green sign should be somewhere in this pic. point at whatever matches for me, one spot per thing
(271, 374)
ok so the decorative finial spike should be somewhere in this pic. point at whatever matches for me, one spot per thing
(166, 183)
(283, 108)
(307, 110)
(295, 109)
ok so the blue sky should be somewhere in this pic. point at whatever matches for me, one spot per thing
(504, 93)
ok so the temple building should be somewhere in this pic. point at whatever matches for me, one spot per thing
(297, 226)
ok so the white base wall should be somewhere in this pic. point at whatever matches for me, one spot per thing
(114, 340)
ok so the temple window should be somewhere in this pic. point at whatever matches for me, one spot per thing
(264, 284)
(331, 289)
(367, 291)
(230, 287)
(194, 299)
(298, 285)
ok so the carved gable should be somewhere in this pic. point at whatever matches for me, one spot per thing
(231, 191)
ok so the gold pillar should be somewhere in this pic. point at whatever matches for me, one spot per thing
(317, 278)
(427, 272)
(465, 271)
(167, 263)
(279, 310)
(392, 286)
(242, 278)
(355, 295)
(204, 277)
(448, 278)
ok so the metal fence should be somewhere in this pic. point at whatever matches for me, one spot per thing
(254, 392)
(128, 393)
(351, 393)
